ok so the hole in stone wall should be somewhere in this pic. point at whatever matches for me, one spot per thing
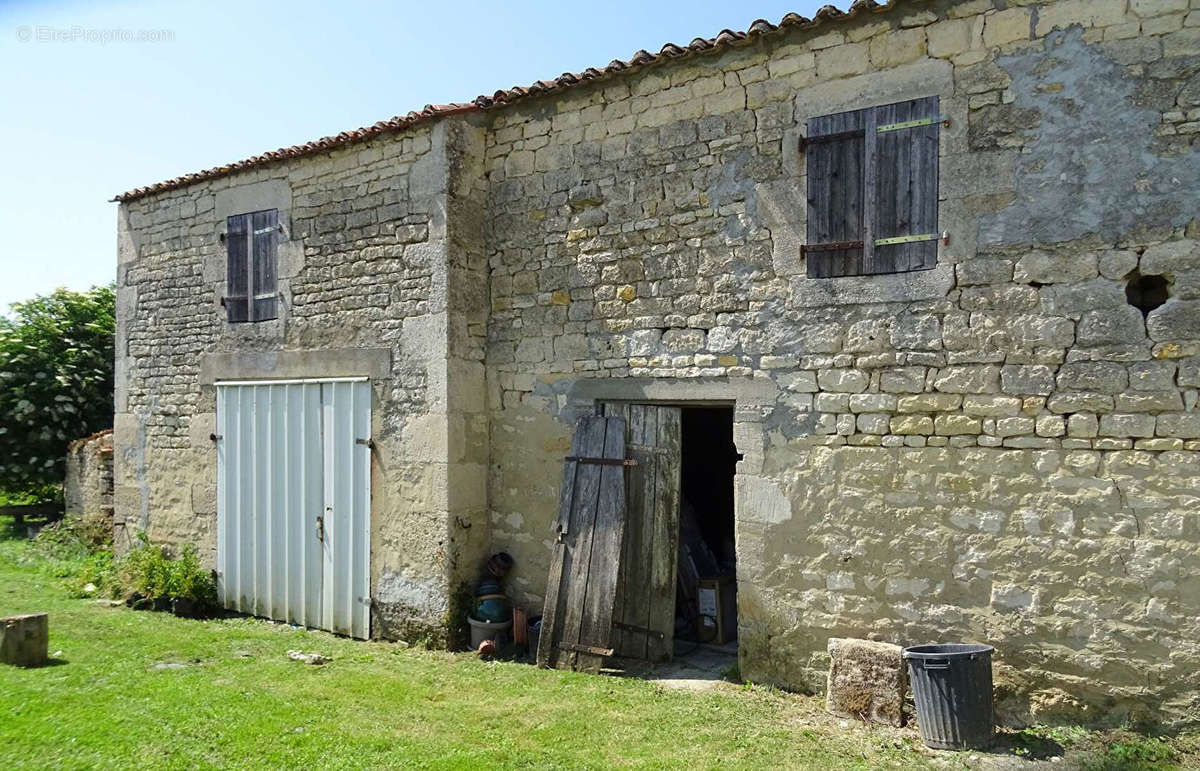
(1145, 292)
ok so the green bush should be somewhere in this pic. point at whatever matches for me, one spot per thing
(188, 579)
(70, 550)
(148, 572)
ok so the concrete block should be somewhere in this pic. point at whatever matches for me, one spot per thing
(25, 639)
(867, 681)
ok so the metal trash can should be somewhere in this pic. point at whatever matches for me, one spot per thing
(952, 686)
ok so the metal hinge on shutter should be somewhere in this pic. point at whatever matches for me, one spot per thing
(832, 246)
(277, 228)
(944, 237)
(835, 137)
(836, 246)
(908, 124)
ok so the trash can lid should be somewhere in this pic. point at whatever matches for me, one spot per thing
(946, 651)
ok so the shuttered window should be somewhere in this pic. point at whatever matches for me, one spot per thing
(873, 190)
(252, 257)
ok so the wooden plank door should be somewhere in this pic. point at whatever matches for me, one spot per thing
(577, 618)
(644, 617)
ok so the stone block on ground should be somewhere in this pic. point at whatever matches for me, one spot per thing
(866, 681)
(25, 640)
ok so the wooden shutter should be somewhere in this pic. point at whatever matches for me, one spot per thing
(237, 275)
(873, 176)
(644, 613)
(265, 256)
(906, 188)
(577, 617)
(836, 198)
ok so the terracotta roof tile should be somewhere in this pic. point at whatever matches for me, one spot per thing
(639, 60)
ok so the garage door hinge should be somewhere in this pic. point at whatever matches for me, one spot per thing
(366, 442)
(215, 437)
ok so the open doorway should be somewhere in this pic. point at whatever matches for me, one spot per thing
(706, 573)
(676, 576)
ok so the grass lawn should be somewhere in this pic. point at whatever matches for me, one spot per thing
(141, 689)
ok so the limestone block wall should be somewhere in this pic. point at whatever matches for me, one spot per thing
(1002, 448)
(367, 286)
(88, 483)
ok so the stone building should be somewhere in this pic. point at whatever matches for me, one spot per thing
(932, 267)
(88, 481)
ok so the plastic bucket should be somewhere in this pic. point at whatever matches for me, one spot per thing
(486, 630)
(952, 687)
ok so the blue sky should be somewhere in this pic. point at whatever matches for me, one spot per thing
(84, 118)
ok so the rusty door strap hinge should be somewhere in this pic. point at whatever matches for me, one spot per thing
(566, 646)
(835, 137)
(603, 461)
(640, 629)
(908, 124)
(832, 246)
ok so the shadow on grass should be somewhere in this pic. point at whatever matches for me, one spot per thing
(1025, 744)
(53, 661)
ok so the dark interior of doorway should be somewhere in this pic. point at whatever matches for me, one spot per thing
(706, 586)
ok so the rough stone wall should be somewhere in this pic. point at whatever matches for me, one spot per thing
(365, 282)
(467, 443)
(999, 449)
(88, 484)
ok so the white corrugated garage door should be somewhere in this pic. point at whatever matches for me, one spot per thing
(293, 501)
